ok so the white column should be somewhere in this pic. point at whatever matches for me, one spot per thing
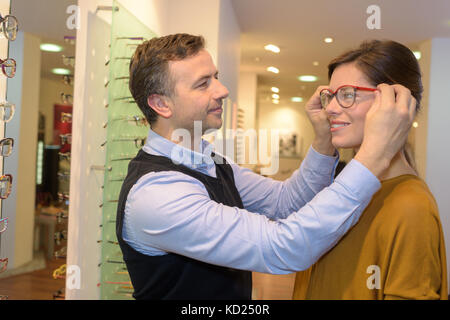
(437, 164)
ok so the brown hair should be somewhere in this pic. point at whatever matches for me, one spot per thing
(386, 62)
(149, 67)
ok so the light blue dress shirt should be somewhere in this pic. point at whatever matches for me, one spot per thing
(285, 226)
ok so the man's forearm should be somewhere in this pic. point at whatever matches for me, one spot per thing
(324, 146)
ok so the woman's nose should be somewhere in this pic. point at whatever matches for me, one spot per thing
(333, 107)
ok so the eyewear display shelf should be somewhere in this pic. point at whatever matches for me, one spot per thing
(126, 133)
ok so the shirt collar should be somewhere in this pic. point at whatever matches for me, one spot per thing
(157, 145)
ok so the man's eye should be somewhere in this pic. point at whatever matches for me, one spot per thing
(204, 84)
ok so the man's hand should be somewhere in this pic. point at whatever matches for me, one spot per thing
(320, 123)
(387, 126)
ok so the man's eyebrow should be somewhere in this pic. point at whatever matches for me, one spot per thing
(207, 76)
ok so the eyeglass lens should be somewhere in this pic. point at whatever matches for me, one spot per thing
(345, 96)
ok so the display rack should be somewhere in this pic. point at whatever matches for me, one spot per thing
(126, 133)
(9, 29)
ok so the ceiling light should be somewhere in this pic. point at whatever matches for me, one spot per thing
(315, 63)
(415, 124)
(275, 101)
(275, 96)
(275, 89)
(418, 54)
(307, 78)
(50, 47)
(296, 99)
(272, 47)
(273, 69)
(61, 71)
(328, 40)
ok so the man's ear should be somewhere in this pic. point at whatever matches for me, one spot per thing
(160, 105)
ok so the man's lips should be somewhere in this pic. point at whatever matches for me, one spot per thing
(216, 110)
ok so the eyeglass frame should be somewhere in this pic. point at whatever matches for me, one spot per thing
(5, 224)
(2, 142)
(10, 183)
(2, 62)
(5, 260)
(334, 94)
(10, 105)
(2, 21)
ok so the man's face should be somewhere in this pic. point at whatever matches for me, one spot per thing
(197, 94)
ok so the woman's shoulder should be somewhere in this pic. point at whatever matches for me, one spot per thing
(408, 200)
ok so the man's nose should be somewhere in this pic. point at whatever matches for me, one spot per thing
(221, 92)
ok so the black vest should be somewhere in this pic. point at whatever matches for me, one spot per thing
(173, 276)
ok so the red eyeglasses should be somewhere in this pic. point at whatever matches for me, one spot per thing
(345, 95)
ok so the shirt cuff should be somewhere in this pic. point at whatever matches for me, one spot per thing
(360, 180)
(320, 163)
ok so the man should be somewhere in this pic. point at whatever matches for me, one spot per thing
(191, 228)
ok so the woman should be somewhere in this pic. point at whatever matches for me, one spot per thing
(396, 250)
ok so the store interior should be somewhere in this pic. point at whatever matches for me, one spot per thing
(75, 127)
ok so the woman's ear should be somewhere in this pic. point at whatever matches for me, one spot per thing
(160, 105)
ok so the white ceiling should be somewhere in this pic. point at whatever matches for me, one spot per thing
(298, 27)
(47, 20)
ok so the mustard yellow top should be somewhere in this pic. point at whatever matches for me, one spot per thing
(395, 251)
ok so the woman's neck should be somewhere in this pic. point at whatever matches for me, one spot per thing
(399, 166)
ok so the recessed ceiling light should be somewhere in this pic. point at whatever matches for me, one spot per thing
(307, 78)
(418, 54)
(276, 96)
(257, 59)
(272, 47)
(275, 101)
(61, 71)
(273, 69)
(50, 47)
(275, 89)
(415, 124)
(328, 40)
(296, 99)
(315, 63)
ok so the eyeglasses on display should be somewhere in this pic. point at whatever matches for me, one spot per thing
(3, 225)
(66, 98)
(66, 117)
(67, 79)
(7, 110)
(8, 67)
(68, 60)
(70, 39)
(6, 146)
(3, 264)
(66, 138)
(9, 27)
(5, 186)
(64, 155)
(345, 95)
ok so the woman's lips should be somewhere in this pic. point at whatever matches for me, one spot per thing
(338, 125)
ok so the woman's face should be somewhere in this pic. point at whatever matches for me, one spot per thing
(347, 124)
